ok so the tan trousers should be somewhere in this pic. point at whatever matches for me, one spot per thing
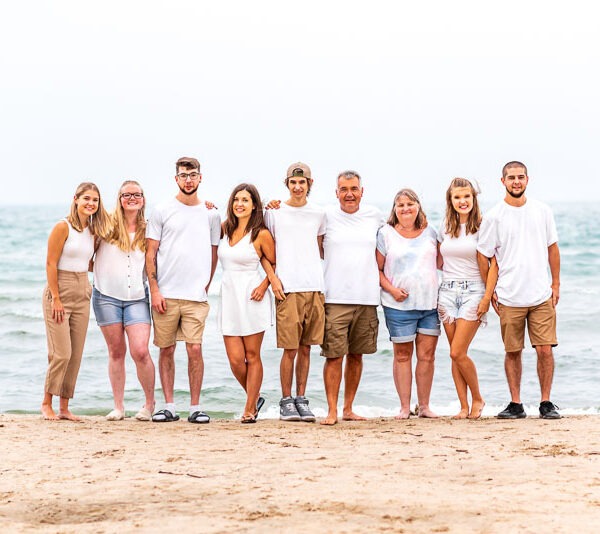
(66, 340)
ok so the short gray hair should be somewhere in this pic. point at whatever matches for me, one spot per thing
(348, 175)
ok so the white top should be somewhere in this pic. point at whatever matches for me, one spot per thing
(351, 273)
(410, 263)
(118, 274)
(519, 237)
(237, 314)
(186, 234)
(459, 255)
(77, 250)
(295, 230)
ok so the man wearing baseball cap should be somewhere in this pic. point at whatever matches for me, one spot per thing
(298, 227)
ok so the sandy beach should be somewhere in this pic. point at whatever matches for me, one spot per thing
(380, 475)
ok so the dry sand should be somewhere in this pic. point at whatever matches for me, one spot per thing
(381, 475)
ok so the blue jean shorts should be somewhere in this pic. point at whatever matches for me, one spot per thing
(404, 325)
(458, 299)
(109, 310)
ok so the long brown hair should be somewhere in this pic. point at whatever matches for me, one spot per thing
(420, 221)
(255, 223)
(99, 222)
(452, 219)
(119, 235)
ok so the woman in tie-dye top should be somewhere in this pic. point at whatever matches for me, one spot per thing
(407, 260)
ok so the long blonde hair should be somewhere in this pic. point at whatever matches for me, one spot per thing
(452, 219)
(119, 235)
(99, 222)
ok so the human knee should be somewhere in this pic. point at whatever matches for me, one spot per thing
(457, 355)
(427, 356)
(402, 355)
(544, 352)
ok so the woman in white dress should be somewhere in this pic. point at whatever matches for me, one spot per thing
(245, 313)
(120, 299)
(468, 281)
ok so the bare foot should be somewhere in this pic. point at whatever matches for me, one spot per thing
(425, 412)
(476, 409)
(404, 414)
(330, 420)
(353, 417)
(463, 414)
(48, 413)
(69, 416)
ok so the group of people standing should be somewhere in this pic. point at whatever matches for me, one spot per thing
(328, 270)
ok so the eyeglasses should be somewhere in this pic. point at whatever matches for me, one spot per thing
(191, 175)
(127, 196)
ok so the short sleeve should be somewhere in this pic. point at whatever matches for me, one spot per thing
(154, 226)
(381, 241)
(270, 221)
(214, 221)
(551, 233)
(487, 243)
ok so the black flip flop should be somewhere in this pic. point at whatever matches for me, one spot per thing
(164, 416)
(259, 404)
(199, 418)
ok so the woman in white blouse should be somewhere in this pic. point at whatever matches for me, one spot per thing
(120, 299)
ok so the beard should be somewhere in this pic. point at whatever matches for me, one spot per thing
(515, 195)
(188, 193)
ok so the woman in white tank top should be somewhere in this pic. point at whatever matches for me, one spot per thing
(66, 300)
(120, 299)
(464, 296)
(245, 311)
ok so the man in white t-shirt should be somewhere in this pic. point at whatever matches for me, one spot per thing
(351, 293)
(521, 234)
(298, 227)
(182, 240)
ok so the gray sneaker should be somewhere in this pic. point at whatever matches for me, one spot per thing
(306, 415)
(287, 410)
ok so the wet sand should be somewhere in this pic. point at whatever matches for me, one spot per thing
(375, 476)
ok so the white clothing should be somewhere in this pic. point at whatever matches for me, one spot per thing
(237, 314)
(295, 230)
(519, 237)
(186, 234)
(119, 274)
(410, 263)
(77, 250)
(459, 255)
(351, 273)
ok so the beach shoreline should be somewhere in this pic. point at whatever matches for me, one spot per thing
(379, 475)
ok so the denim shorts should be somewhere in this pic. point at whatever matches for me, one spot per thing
(458, 299)
(404, 325)
(109, 310)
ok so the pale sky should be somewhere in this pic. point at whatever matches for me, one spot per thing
(409, 94)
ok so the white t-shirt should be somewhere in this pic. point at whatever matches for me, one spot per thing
(519, 237)
(410, 263)
(119, 274)
(295, 230)
(351, 273)
(459, 254)
(184, 259)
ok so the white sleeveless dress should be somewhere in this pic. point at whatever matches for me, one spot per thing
(237, 315)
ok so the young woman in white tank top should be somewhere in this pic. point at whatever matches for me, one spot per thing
(66, 301)
(120, 299)
(464, 297)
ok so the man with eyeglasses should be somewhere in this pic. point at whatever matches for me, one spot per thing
(182, 240)
(298, 227)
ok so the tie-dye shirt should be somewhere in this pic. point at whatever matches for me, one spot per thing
(410, 263)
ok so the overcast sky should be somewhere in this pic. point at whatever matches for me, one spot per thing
(407, 93)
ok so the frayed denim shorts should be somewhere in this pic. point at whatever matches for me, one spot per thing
(109, 310)
(458, 299)
(404, 325)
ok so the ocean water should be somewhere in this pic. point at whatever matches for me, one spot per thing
(23, 353)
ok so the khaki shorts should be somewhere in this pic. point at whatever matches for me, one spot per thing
(300, 319)
(350, 329)
(184, 320)
(541, 325)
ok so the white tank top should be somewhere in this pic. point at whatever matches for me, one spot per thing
(77, 251)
